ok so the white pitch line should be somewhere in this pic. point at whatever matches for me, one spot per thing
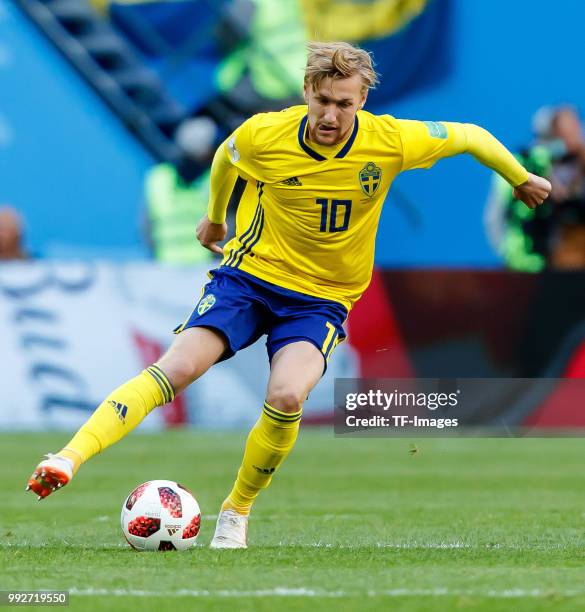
(104, 518)
(428, 546)
(335, 517)
(332, 546)
(306, 592)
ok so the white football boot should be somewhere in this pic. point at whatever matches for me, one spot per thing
(231, 530)
(51, 474)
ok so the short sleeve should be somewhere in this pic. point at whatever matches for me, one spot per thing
(425, 142)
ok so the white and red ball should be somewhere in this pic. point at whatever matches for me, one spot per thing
(161, 515)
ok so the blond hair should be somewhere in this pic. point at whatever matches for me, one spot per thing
(338, 60)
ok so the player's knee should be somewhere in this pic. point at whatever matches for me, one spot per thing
(180, 373)
(286, 399)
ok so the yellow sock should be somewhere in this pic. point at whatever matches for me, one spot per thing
(119, 414)
(270, 441)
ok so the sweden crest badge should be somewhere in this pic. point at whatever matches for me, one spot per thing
(205, 304)
(370, 178)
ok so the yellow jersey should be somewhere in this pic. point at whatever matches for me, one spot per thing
(307, 214)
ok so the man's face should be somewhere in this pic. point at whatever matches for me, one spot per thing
(9, 232)
(567, 127)
(332, 108)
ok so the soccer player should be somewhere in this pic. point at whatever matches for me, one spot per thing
(310, 182)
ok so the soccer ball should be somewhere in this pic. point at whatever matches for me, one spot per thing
(161, 515)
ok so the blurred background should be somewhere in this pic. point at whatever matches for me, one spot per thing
(110, 112)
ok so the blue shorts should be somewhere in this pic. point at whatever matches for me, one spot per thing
(243, 308)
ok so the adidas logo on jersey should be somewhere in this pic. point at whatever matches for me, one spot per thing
(294, 181)
(120, 409)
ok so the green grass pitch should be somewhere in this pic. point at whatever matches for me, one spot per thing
(348, 524)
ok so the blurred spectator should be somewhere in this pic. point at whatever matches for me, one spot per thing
(11, 235)
(552, 235)
(264, 69)
(176, 196)
(353, 21)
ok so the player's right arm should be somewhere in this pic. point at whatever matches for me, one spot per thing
(233, 157)
(424, 143)
(212, 228)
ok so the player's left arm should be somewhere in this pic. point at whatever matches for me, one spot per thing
(489, 151)
(424, 143)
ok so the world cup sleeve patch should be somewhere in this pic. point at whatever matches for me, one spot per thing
(234, 153)
(205, 303)
(437, 129)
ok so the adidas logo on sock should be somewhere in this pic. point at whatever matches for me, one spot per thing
(294, 181)
(264, 470)
(120, 409)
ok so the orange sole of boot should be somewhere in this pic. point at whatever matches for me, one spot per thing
(45, 480)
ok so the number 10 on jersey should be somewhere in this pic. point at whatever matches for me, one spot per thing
(334, 215)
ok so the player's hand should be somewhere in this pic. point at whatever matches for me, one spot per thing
(209, 234)
(534, 191)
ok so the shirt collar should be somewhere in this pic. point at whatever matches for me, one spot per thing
(315, 154)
